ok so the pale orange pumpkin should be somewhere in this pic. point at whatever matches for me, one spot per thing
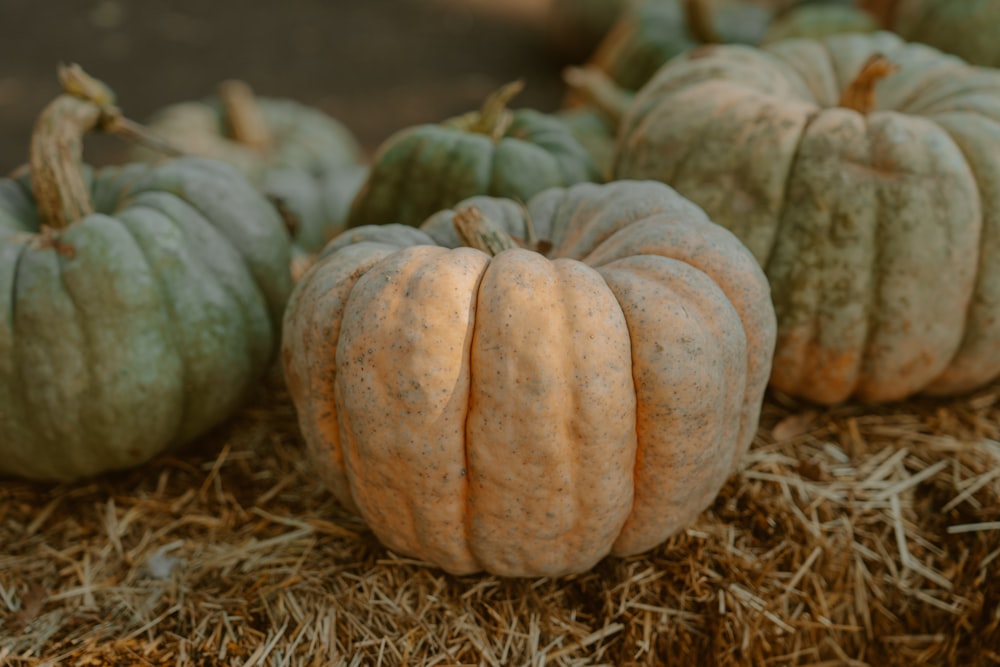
(525, 413)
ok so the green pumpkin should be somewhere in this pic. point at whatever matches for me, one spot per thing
(818, 20)
(142, 303)
(424, 169)
(968, 28)
(654, 31)
(651, 32)
(875, 209)
(296, 154)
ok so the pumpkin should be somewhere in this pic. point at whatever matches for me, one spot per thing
(967, 28)
(818, 20)
(597, 103)
(142, 302)
(871, 197)
(301, 157)
(493, 151)
(526, 413)
(654, 31)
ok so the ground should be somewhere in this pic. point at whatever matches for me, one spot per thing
(377, 65)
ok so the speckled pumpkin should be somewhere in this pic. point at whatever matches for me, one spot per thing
(494, 151)
(292, 152)
(141, 303)
(525, 413)
(968, 28)
(873, 204)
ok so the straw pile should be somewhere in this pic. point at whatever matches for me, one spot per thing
(852, 536)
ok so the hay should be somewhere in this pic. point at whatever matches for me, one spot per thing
(852, 536)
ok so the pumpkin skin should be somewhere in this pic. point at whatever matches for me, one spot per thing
(527, 414)
(140, 326)
(311, 163)
(426, 168)
(856, 217)
(966, 28)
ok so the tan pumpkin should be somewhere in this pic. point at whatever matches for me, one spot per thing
(868, 189)
(528, 414)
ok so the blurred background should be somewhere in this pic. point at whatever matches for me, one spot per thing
(376, 65)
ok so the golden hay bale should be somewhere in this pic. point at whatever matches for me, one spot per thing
(852, 536)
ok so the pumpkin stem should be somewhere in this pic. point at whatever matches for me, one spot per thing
(56, 151)
(242, 113)
(600, 91)
(531, 240)
(699, 22)
(493, 118)
(860, 94)
(480, 232)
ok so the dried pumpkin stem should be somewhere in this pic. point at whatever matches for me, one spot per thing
(480, 232)
(493, 118)
(56, 150)
(56, 159)
(860, 94)
(242, 113)
(531, 240)
(131, 131)
(699, 22)
(600, 91)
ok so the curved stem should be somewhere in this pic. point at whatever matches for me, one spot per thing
(599, 90)
(493, 118)
(242, 113)
(56, 159)
(131, 131)
(860, 93)
(532, 242)
(479, 232)
(56, 150)
(699, 22)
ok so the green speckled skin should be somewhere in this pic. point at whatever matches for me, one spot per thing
(423, 169)
(879, 232)
(143, 325)
(314, 166)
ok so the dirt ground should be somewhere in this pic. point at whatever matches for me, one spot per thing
(377, 65)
